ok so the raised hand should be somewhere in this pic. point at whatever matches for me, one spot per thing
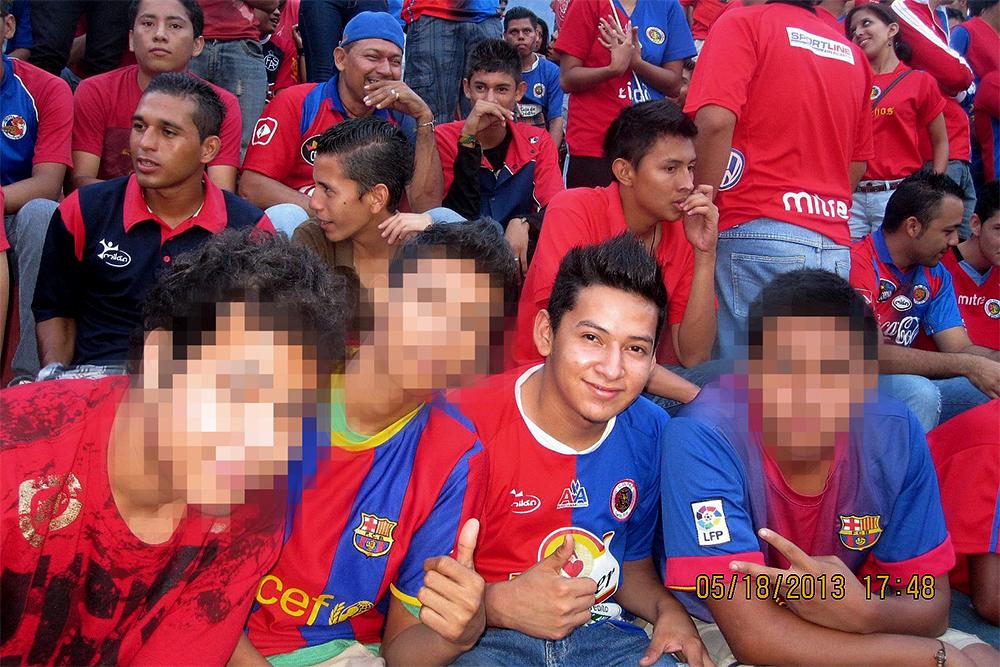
(452, 596)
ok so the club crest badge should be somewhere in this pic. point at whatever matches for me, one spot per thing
(14, 127)
(373, 536)
(992, 308)
(655, 35)
(623, 499)
(538, 90)
(858, 533)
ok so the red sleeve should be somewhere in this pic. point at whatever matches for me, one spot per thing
(265, 225)
(930, 103)
(55, 122)
(548, 175)
(447, 146)
(864, 147)
(579, 29)
(90, 117)
(988, 97)
(863, 277)
(930, 53)
(725, 67)
(276, 136)
(232, 132)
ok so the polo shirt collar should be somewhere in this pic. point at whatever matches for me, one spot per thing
(332, 93)
(884, 256)
(211, 216)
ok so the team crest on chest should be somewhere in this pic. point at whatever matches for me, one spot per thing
(373, 536)
(14, 126)
(992, 308)
(858, 533)
(538, 89)
(655, 35)
(921, 294)
(885, 289)
(876, 91)
(623, 499)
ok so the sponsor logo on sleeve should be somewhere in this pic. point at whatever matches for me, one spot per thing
(264, 131)
(820, 46)
(710, 522)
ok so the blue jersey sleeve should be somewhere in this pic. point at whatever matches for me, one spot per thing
(915, 539)
(960, 40)
(680, 44)
(642, 525)
(553, 93)
(706, 510)
(943, 311)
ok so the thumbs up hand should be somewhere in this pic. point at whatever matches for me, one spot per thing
(452, 596)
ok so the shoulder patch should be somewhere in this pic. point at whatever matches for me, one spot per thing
(710, 522)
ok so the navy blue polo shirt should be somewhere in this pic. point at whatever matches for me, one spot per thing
(104, 251)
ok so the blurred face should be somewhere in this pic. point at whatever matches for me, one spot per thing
(810, 381)
(234, 406)
(871, 33)
(941, 233)
(166, 148)
(664, 177)
(368, 61)
(340, 210)
(988, 236)
(162, 37)
(601, 356)
(496, 87)
(521, 35)
(438, 324)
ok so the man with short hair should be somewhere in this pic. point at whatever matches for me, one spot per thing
(164, 36)
(139, 513)
(572, 499)
(542, 104)
(654, 198)
(897, 270)
(494, 166)
(394, 474)
(107, 242)
(277, 173)
(804, 510)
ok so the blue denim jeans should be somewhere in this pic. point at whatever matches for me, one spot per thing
(867, 211)
(961, 173)
(609, 644)
(963, 617)
(932, 401)
(237, 66)
(322, 24)
(436, 51)
(750, 256)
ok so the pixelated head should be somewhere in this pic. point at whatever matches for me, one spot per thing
(600, 330)
(165, 35)
(443, 313)
(370, 51)
(985, 222)
(521, 30)
(813, 355)
(362, 168)
(924, 213)
(175, 130)
(651, 146)
(237, 338)
(493, 74)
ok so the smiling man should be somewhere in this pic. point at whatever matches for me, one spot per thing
(278, 169)
(108, 242)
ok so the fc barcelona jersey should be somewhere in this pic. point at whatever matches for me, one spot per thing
(541, 490)
(365, 513)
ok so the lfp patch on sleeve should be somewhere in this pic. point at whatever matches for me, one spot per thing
(710, 522)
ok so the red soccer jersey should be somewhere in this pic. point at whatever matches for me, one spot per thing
(984, 46)
(801, 99)
(586, 216)
(103, 108)
(978, 298)
(79, 587)
(229, 20)
(899, 122)
(288, 70)
(965, 455)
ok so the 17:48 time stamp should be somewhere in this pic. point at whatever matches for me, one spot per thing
(792, 586)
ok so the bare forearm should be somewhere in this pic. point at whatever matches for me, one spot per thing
(939, 142)
(667, 81)
(426, 190)
(642, 594)
(579, 79)
(497, 615)
(906, 615)
(263, 191)
(557, 127)
(667, 384)
(900, 359)
(696, 336)
(713, 144)
(56, 340)
(20, 193)
(247, 655)
(856, 170)
(420, 644)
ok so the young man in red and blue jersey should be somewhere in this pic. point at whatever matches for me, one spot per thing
(573, 492)
(897, 269)
(278, 168)
(804, 513)
(393, 473)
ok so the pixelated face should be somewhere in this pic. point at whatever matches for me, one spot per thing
(602, 353)
(989, 239)
(340, 209)
(368, 61)
(940, 234)
(234, 406)
(521, 35)
(497, 87)
(166, 148)
(871, 33)
(162, 37)
(664, 177)
(438, 323)
(811, 379)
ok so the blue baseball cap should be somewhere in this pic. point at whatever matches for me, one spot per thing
(373, 25)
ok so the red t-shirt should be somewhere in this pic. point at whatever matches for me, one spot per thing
(964, 449)
(228, 20)
(703, 15)
(586, 216)
(899, 122)
(801, 100)
(103, 108)
(288, 71)
(79, 587)
(978, 302)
